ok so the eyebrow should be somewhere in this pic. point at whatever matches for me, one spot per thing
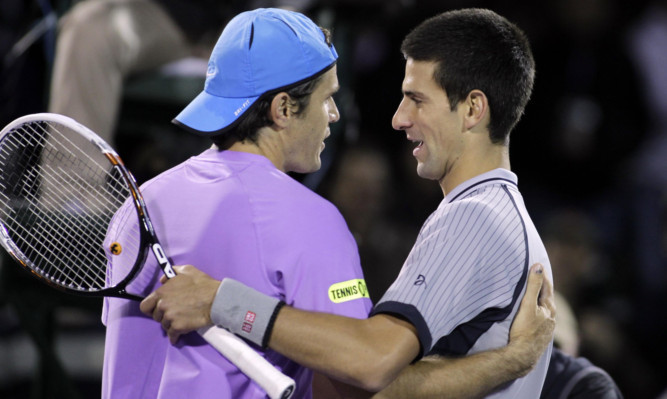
(414, 94)
(334, 91)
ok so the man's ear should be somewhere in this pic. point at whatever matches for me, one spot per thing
(477, 109)
(281, 109)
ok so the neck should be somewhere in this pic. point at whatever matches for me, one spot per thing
(476, 160)
(267, 145)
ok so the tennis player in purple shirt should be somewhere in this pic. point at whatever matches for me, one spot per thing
(235, 212)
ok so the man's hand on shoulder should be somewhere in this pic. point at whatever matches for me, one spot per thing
(534, 324)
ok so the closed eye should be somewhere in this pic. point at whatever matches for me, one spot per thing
(414, 97)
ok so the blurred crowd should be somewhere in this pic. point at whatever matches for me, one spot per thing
(590, 151)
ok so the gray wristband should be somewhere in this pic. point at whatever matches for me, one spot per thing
(245, 311)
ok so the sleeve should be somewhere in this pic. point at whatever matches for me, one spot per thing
(325, 275)
(460, 266)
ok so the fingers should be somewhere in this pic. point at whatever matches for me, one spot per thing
(540, 291)
(173, 336)
(547, 298)
(149, 303)
(182, 269)
(151, 307)
(178, 270)
(183, 303)
(534, 284)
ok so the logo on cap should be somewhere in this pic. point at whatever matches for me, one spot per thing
(242, 107)
(210, 71)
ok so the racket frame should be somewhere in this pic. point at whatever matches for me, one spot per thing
(147, 235)
(276, 384)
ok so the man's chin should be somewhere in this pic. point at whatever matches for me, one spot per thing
(424, 173)
(310, 168)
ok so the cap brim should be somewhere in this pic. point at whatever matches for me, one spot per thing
(208, 115)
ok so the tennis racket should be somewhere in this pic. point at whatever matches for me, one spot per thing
(60, 187)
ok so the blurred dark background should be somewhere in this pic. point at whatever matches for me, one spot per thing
(590, 154)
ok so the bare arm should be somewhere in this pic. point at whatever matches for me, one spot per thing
(477, 375)
(368, 353)
(327, 388)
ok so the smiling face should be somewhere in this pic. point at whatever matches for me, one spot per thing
(311, 127)
(428, 121)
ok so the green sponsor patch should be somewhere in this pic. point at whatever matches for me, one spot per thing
(348, 290)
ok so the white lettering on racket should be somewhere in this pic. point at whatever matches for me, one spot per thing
(163, 261)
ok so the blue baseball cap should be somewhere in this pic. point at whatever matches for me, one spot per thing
(258, 51)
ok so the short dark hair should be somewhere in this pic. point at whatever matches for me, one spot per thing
(257, 116)
(478, 49)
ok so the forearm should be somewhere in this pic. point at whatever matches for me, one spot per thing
(328, 388)
(366, 353)
(473, 376)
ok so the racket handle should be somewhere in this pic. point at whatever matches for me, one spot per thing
(276, 384)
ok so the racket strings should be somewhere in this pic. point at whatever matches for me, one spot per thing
(56, 200)
(34, 237)
(67, 156)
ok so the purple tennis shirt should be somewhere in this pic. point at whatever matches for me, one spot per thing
(231, 214)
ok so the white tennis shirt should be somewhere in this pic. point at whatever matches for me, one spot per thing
(464, 279)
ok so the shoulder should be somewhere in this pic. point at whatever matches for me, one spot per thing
(291, 196)
(282, 201)
(478, 211)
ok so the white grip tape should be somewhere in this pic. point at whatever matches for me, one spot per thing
(276, 384)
